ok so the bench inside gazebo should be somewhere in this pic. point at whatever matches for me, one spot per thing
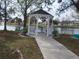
(40, 19)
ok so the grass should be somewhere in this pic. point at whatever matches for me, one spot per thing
(10, 41)
(71, 43)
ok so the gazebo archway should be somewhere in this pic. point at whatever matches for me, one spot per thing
(43, 16)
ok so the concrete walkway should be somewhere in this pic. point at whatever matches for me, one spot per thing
(51, 49)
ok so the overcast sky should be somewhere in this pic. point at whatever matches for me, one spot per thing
(68, 14)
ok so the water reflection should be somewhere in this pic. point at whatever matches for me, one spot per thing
(11, 28)
(68, 30)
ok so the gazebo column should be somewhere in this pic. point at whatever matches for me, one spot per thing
(51, 26)
(36, 32)
(47, 27)
(29, 25)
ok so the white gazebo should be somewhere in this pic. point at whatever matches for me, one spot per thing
(40, 15)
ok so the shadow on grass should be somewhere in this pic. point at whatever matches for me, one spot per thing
(9, 41)
(5, 38)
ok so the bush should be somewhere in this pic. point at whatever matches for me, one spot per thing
(17, 30)
(55, 33)
(25, 30)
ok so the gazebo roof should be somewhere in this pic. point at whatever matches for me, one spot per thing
(41, 12)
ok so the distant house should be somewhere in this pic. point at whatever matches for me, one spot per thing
(13, 21)
(76, 23)
(67, 23)
(69, 27)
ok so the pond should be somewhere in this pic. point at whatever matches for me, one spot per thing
(72, 31)
(9, 27)
(68, 30)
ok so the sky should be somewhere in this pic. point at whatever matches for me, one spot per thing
(68, 14)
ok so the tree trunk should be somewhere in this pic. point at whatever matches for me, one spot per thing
(24, 25)
(5, 29)
(25, 18)
(5, 18)
(25, 21)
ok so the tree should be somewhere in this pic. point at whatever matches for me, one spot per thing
(1, 12)
(59, 1)
(76, 4)
(5, 15)
(26, 4)
(5, 10)
(55, 22)
(65, 5)
(19, 23)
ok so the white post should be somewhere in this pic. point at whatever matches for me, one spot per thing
(29, 25)
(36, 31)
(52, 27)
(47, 27)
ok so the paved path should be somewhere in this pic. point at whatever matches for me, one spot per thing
(51, 49)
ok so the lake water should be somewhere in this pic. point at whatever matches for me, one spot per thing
(10, 28)
(68, 30)
(60, 30)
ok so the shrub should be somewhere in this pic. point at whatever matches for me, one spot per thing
(17, 30)
(55, 33)
(25, 30)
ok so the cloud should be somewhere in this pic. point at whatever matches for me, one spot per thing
(67, 14)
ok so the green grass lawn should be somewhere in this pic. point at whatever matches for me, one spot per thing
(71, 43)
(10, 41)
